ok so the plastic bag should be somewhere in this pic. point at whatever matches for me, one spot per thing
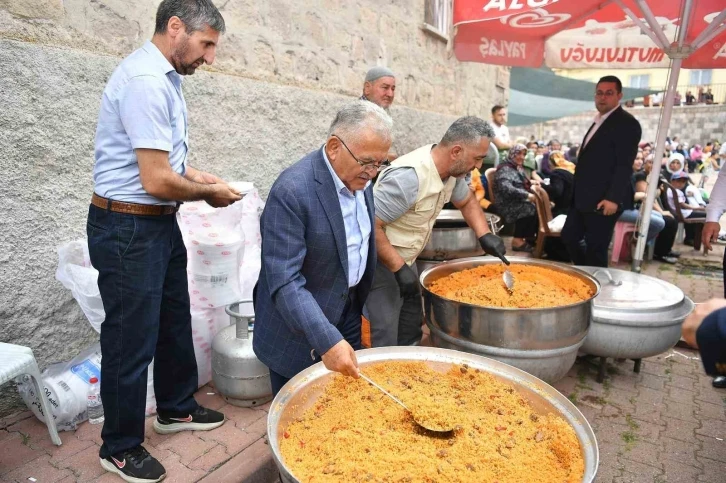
(557, 223)
(76, 274)
(65, 385)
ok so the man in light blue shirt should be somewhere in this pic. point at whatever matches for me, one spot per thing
(357, 225)
(141, 175)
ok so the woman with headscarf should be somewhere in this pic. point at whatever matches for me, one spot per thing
(514, 200)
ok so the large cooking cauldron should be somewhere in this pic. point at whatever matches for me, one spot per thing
(303, 390)
(452, 238)
(635, 316)
(540, 341)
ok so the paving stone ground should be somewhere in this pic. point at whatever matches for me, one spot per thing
(665, 424)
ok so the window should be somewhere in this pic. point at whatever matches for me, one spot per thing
(700, 77)
(640, 81)
(437, 18)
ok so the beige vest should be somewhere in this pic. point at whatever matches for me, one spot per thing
(410, 233)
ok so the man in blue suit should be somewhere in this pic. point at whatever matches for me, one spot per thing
(318, 249)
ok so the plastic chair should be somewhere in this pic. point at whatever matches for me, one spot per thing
(622, 229)
(17, 360)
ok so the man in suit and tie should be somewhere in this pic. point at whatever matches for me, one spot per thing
(602, 177)
(318, 249)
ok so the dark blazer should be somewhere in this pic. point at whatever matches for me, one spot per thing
(711, 339)
(605, 164)
(303, 284)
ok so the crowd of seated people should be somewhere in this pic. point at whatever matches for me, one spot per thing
(551, 166)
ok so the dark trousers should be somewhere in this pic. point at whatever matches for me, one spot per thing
(142, 278)
(526, 227)
(349, 327)
(666, 237)
(587, 237)
(690, 228)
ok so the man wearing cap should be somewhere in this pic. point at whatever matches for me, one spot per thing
(408, 197)
(379, 87)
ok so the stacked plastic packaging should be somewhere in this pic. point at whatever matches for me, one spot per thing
(223, 249)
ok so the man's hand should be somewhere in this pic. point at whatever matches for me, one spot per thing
(494, 246)
(341, 358)
(693, 321)
(710, 233)
(608, 207)
(222, 195)
(208, 178)
(407, 280)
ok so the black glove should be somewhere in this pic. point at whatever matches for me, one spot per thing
(407, 282)
(494, 246)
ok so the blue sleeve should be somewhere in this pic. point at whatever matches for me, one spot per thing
(144, 106)
(711, 339)
(284, 248)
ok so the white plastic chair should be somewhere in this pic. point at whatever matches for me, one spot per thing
(16, 360)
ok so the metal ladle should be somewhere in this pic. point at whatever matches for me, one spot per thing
(427, 425)
(507, 276)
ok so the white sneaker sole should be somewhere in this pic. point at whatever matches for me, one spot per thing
(108, 466)
(176, 427)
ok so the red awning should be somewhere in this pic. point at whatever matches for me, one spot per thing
(572, 34)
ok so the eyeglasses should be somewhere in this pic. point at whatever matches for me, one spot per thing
(366, 166)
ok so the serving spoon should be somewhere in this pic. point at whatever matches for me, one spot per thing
(507, 276)
(425, 424)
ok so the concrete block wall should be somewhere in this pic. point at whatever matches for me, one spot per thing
(283, 69)
(692, 124)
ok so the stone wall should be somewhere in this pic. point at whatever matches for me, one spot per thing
(692, 124)
(282, 71)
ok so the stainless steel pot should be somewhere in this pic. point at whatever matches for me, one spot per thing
(303, 390)
(635, 316)
(238, 374)
(541, 341)
(452, 238)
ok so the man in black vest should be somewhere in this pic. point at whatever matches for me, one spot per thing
(602, 177)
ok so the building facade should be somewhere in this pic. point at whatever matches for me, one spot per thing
(282, 71)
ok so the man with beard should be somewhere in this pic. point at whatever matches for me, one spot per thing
(141, 175)
(408, 197)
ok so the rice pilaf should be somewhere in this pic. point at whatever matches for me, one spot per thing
(534, 287)
(354, 433)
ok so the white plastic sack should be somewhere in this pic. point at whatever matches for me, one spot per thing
(76, 274)
(215, 246)
(557, 223)
(66, 387)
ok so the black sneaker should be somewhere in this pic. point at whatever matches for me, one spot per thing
(202, 419)
(135, 465)
(719, 382)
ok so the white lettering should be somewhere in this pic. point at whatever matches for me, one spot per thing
(501, 5)
(504, 48)
(721, 53)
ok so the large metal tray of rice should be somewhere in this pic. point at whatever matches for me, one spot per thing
(510, 426)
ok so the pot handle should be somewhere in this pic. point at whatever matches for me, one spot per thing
(612, 281)
(242, 321)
